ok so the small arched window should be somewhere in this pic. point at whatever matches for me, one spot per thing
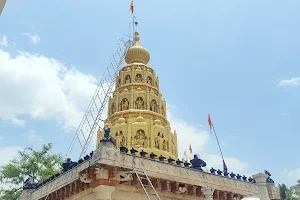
(139, 103)
(153, 106)
(124, 105)
(138, 78)
(127, 79)
(113, 108)
(149, 80)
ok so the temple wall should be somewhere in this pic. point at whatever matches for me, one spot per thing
(171, 181)
(126, 195)
(155, 169)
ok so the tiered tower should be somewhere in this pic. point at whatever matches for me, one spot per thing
(136, 111)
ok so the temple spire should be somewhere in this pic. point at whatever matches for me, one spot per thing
(137, 53)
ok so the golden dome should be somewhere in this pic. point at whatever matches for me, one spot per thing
(137, 53)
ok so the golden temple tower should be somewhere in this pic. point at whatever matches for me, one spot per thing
(136, 111)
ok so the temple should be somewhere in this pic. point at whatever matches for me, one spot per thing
(136, 156)
(136, 111)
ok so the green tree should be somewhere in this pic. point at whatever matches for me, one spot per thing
(282, 191)
(286, 193)
(36, 165)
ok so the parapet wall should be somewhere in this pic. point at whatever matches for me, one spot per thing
(113, 157)
(108, 157)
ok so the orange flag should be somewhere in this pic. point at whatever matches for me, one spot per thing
(132, 6)
(210, 123)
(190, 148)
(184, 152)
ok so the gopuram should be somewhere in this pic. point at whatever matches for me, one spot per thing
(137, 157)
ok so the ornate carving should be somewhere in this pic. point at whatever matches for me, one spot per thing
(107, 137)
(198, 163)
(85, 177)
(159, 141)
(208, 193)
(168, 186)
(149, 80)
(140, 139)
(120, 139)
(162, 110)
(153, 106)
(139, 103)
(124, 105)
(127, 79)
(119, 82)
(138, 78)
(113, 108)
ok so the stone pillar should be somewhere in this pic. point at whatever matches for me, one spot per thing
(208, 193)
(104, 192)
(261, 181)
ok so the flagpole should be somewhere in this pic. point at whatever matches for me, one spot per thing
(219, 147)
(133, 24)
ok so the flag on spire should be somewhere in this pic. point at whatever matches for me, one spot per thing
(190, 148)
(132, 7)
(184, 153)
(210, 123)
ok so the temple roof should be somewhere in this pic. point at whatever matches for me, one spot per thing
(137, 53)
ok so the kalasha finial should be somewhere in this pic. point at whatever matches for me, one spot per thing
(136, 36)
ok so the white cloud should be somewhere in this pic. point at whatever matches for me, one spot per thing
(292, 176)
(4, 42)
(42, 88)
(188, 134)
(35, 39)
(290, 82)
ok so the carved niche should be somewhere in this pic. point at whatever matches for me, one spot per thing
(162, 110)
(138, 78)
(160, 142)
(127, 79)
(124, 105)
(120, 139)
(119, 82)
(149, 80)
(139, 103)
(140, 139)
(172, 146)
(153, 106)
(113, 108)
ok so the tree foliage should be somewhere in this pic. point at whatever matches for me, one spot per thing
(36, 165)
(286, 193)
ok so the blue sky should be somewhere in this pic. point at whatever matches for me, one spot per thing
(237, 60)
